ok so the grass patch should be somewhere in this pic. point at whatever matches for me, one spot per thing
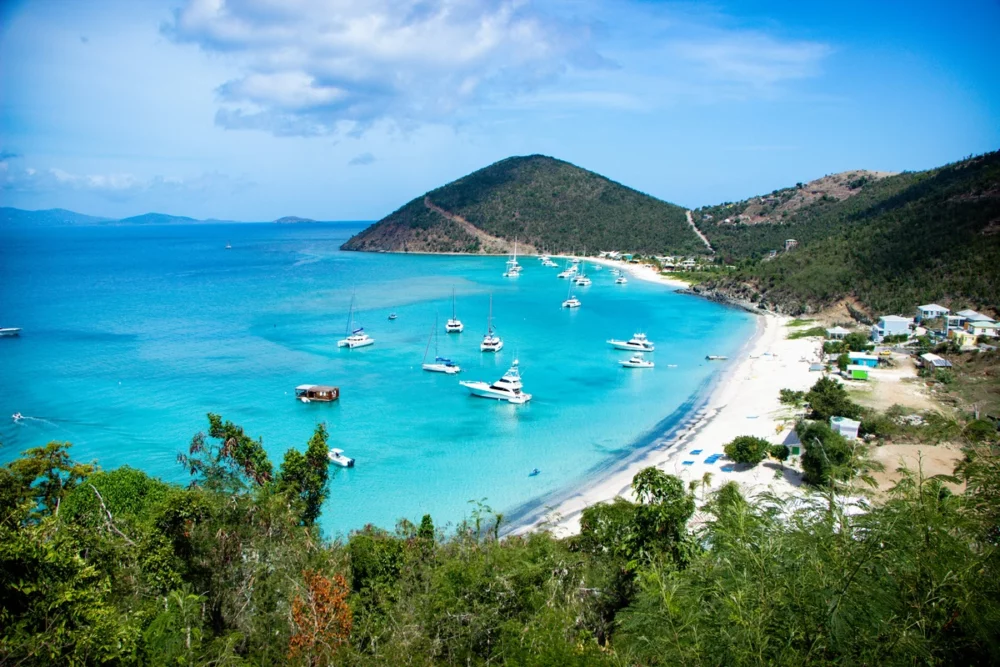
(799, 322)
(806, 333)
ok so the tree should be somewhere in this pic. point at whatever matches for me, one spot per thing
(747, 449)
(980, 431)
(827, 457)
(40, 479)
(828, 398)
(426, 530)
(857, 342)
(843, 361)
(321, 617)
(306, 477)
(780, 453)
(229, 463)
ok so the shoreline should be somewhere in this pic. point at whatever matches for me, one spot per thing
(741, 400)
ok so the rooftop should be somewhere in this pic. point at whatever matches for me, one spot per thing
(932, 306)
(896, 318)
(836, 331)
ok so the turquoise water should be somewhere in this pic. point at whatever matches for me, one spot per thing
(132, 334)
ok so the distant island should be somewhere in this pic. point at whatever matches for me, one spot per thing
(539, 201)
(292, 219)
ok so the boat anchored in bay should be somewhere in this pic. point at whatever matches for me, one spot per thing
(355, 337)
(508, 388)
(636, 361)
(638, 343)
(440, 365)
(454, 325)
(491, 341)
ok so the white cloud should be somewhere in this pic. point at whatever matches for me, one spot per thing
(361, 160)
(316, 66)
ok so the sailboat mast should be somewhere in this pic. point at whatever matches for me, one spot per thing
(433, 335)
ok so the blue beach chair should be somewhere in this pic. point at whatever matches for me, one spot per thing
(696, 451)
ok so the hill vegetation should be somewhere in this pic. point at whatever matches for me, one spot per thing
(16, 217)
(118, 567)
(900, 241)
(542, 202)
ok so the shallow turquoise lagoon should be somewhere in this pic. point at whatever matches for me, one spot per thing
(132, 334)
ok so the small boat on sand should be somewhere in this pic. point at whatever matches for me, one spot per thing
(337, 457)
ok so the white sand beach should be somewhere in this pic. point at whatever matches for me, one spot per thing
(638, 271)
(744, 402)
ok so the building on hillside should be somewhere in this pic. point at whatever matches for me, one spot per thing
(972, 316)
(845, 427)
(837, 333)
(982, 328)
(706, 216)
(863, 359)
(790, 243)
(933, 361)
(891, 325)
(772, 254)
(931, 311)
(963, 338)
(688, 264)
(856, 372)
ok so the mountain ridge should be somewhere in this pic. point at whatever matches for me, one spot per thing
(541, 202)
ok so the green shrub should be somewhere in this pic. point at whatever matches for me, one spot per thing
(747, 449)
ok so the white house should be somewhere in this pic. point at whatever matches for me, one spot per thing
(972, 316)
(837, 333)
(890, 325)
(845, 427)
(982, 328)
(930, 311)
(931, 360)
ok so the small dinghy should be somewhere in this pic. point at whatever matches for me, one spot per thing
(534, 472)
(17, 416)
(392, 316)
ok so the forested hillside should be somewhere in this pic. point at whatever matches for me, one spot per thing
(914, 238)
(115, 567)
(544, 203)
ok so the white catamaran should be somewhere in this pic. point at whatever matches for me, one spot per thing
(491, 341)
(355, 337)
(454, 325)
(440, 365)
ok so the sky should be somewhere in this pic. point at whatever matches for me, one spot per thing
(347, 109)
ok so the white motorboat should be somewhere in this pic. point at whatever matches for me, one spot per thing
(453, 325)
(636, 361)
(491, 341)
(621, 280)
(17, 416)
(10, 332)
(440, 364)
(508, 388)
(337, 457)
(638, 343)
(228, 246)
(356, 337)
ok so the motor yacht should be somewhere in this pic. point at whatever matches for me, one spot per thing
(636, 361)
(638, 343)
(508, 388)
(337, 457)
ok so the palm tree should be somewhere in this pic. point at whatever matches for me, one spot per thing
(706, 483)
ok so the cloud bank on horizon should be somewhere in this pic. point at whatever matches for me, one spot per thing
(192, 102)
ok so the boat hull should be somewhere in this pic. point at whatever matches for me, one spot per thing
(630, 364)
(630, 347)
(454, 327)
(441, 368)
(483, 347)
(353, 344)
(9, 332)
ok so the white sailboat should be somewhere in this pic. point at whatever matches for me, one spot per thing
(440, 365)
(491, 341)
(513, 268)
(569, 272)
(355, 337)
(571, 300)
(454, 325)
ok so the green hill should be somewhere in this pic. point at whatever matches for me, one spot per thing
(542, 202)
(931, 236)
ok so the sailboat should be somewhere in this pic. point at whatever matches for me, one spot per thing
(571, 300)
(440, 365)
(355, 337)
(454, 325)
(491, 341)
(513, 268)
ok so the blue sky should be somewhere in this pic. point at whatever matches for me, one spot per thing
(346, 109)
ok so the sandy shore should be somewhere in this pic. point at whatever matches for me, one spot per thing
(638, 271)
(743, 402)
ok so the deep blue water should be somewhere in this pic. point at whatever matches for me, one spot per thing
(132, 334)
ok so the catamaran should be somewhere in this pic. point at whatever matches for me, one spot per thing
(513, 268)
(454, 325)
(571, 300)
(638, 343)
(440, 365)
(508, 388)
(491, 341)
(569, 272)
(355, 337)
(621, 280)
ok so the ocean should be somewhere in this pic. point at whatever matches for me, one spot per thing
(132, 334)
